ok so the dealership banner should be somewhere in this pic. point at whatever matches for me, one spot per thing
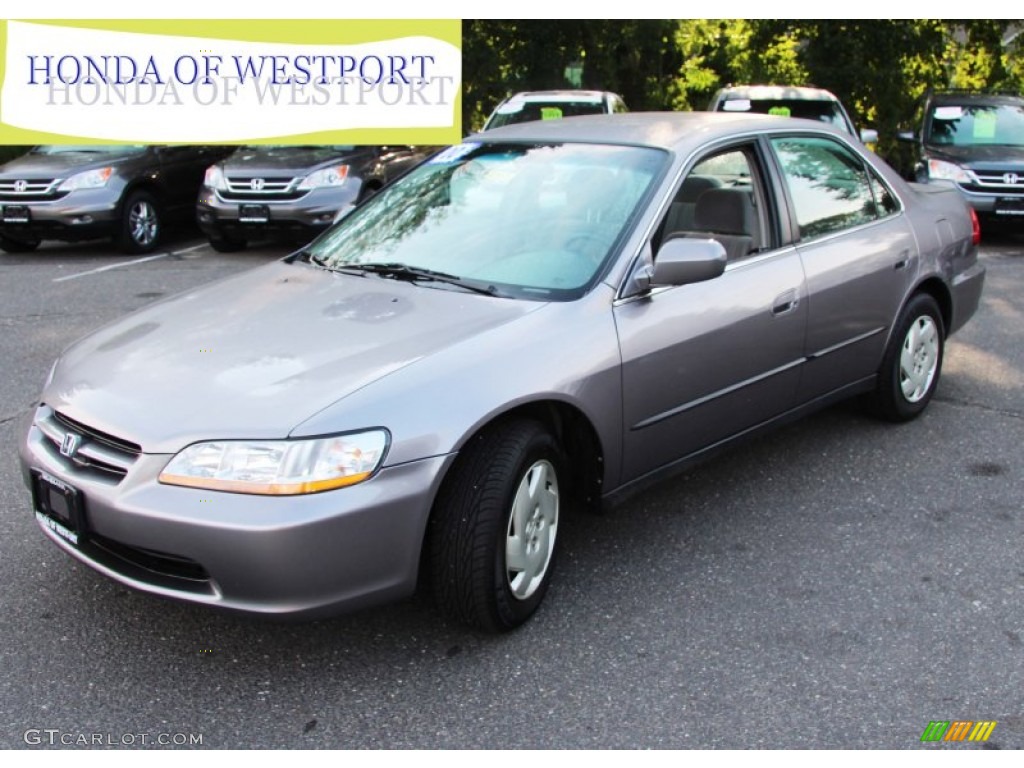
(200, 81)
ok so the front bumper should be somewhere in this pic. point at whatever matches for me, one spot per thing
(292, 556)
(1007, 206)
(306, 216)
(79, 215)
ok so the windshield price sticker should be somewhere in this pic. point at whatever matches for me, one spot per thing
(454, 154)
(985, 125)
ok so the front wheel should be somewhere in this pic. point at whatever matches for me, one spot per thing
(227, 244)
(18, 244)
(141, 227)
(494, 529)
(910, 370)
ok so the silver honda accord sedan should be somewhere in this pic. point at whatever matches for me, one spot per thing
(538, 320)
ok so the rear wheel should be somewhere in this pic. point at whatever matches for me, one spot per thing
(141, 226)
(912, 364)
(495, 527)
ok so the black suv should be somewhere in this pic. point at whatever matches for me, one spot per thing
(292, 191)
(976, 142)
(67, 192)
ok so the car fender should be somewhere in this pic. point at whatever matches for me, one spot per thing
(563, 352)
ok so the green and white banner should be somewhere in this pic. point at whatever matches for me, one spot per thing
(202, 81)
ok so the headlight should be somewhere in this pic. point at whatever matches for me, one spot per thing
(940, 169)
(215, 178)
(93, 179)
(325, 177)
(278, 467)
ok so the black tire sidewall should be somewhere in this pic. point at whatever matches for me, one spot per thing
(511, 611)
(15, 245)
(468, 528)
(891, 400)
(227, 244)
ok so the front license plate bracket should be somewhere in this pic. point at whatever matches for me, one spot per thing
(253, 214)
(58, 506)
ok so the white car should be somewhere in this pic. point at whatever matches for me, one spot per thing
(790, 101)
(553, 105)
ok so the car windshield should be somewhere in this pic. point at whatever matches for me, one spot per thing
(977, 124)
(823, 111)
(515, 111)
(528, 221)
(290, 147)
(97, 149)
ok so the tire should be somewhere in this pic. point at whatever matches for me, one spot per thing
(141, 224)
(16, 245)
(227, 244)
(910, 370)
(494, 529)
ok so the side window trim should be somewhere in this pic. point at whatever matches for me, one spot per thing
(848, 154)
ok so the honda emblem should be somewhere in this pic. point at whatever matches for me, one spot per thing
(256, 184)
(69, 445)
(1010, 178)
(20, 185)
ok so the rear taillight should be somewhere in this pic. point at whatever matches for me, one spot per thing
(975, 227)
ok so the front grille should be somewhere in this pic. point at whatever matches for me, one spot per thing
(262, 188)
(1007, 182)
(158, 568)
(97, 454)
(29, 190)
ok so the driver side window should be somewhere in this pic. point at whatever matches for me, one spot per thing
(718, 200)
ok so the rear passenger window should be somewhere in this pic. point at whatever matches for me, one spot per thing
(829, 186)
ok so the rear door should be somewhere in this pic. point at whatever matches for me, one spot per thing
(858, 252)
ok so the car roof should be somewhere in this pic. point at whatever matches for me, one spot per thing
(953, 97)
(789, 92)
(665, 130)
(562, 95)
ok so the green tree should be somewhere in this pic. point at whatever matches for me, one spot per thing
(636, 59)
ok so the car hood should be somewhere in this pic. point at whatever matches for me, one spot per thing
(980, 156)
(257, 354)
(285, 160)
(59, 165)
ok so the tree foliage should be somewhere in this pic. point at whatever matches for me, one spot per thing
(879, 68)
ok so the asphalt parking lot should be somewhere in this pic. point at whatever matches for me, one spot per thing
(837, 584)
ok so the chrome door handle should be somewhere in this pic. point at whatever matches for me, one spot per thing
(785, 303)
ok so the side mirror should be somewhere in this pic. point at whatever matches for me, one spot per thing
(868, 136)
(683, 260)
(906, 136)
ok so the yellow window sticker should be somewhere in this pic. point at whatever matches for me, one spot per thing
(780, 111)
(550, 113)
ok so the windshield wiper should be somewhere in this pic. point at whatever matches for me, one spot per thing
(307, 256)
(399, 271)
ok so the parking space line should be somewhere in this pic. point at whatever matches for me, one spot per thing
(128, 263)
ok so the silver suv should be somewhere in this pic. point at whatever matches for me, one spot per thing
(74, 193)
